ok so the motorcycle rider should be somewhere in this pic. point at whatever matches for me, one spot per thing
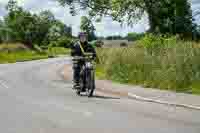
(78, 49)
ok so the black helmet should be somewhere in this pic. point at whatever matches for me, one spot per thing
(82, 34)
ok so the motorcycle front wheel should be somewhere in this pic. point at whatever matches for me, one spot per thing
(78, 91)
(90, 84)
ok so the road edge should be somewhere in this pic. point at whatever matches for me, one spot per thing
(133, 96)
(128, 94)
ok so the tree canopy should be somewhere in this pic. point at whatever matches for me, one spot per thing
(23, 26)
(88, 27)
(165, 16)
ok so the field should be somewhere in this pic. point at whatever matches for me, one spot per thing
(166, 64)
(115, 43)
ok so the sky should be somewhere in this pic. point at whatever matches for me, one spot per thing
(104, 28)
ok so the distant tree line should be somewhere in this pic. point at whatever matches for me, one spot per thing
(131, 36)
(116, 37)
(43, 29)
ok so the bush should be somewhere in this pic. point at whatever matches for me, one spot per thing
(20, 56)
(123, 44)
(54, 51)
(98, 43)
(64, 42)
(156, 42)
(38, 49)
(134, 36)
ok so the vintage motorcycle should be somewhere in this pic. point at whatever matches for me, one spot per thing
(87, 75)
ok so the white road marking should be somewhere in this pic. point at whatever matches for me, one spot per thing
(2, 83)
(162, 102)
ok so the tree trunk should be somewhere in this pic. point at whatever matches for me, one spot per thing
(151, 15)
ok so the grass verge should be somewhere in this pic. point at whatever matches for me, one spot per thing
(166, 64)
(20, 56)
(11, 53)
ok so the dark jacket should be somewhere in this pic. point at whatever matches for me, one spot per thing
(76, 50)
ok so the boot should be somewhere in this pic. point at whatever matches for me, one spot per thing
(76, 86)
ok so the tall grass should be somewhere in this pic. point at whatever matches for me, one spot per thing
(157, 62)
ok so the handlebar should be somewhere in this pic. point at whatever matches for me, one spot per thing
(88, 54)
(82, 58)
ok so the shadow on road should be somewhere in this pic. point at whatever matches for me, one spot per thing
(104, 97)
(99, 96)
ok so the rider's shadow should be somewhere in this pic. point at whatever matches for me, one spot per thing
(101, 97)
(104, 97)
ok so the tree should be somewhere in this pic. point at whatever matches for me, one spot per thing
(88, 27)
(18, 20)
(119, 10)
(54, 29)
(22, 26)
(48, 16)
(163, 15)
(67, 31)
(1, 33)
(134, 36)
(183, 20)
(4, 32)
(12, 6)
(116, 37)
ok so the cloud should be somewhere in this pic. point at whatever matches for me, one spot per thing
(3, 2)
(2, 10)
(196, 8)
(195, 2)
(109, 27)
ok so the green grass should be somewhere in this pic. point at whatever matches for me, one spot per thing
(100, 72)
(166, 64)
(11, 53)
(20, 56)
(195, 88)
(57, 51)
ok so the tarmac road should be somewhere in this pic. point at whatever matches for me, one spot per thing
(35, 99)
